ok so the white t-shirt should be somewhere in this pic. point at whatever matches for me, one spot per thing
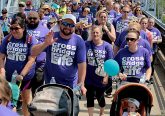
(126, 114)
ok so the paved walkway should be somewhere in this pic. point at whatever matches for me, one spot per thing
(155, 111)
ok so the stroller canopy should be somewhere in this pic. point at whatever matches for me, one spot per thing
(137, 91)
(134, 90)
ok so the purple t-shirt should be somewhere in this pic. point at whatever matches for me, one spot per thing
(133, 64)
(27, 10)
(52, 14)
(141, 43)
(77, 12)
(4, 111)
(111, 16)
(120, 25)
(17, 52)
(44, 21)
(156, 35)
(62, 59)
(39, 33)
(85, 19)
(123, 34)
(102, 53)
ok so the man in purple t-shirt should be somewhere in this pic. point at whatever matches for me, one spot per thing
(65, 55)
(121, 23)
(156, 40)
(37, 30)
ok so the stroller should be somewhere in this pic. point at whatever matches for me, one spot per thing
(52, 100)
(137, 91)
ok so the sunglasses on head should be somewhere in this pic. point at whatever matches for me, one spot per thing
(20, 5)
(130, 39)
(66, 24)
(32, 18)
(14, 28)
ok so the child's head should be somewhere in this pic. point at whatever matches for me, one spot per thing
(5, 92)
(133, 105)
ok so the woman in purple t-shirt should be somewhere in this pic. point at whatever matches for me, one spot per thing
(134, 61)
(98, 51)
(16, 62)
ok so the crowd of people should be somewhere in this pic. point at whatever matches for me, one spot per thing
(70, 40)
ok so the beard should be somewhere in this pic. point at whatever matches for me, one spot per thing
(32, 26)
(66, 33)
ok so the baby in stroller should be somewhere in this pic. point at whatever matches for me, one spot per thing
(133, 106)
(136, 93)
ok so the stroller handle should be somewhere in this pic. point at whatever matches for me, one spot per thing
(54, 84)
(60, 111)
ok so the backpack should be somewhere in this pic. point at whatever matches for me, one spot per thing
(28, 40)
(52, 100)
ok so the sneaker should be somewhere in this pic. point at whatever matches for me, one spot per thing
(109, 95)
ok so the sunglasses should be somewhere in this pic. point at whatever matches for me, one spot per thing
(132, 29)
(66, 24)
(32, 18)
(51, 23)
(20, 5)
(14, 28)
(126, 11)
(86, 11)
(46, 8)
(130, 39)
(4, 12)
(138, 10)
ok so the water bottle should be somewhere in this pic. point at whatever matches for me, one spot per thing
(14, 75)
(143, 78)
(53, 80)
(77, 90)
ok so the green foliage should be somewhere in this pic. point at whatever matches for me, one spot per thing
(160, 8)
(163, 18)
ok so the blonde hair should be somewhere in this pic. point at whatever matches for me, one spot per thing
(134, 31)
(5, 90)
(91, 29)
(99, 12)
(143, 18)
(135, 24)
